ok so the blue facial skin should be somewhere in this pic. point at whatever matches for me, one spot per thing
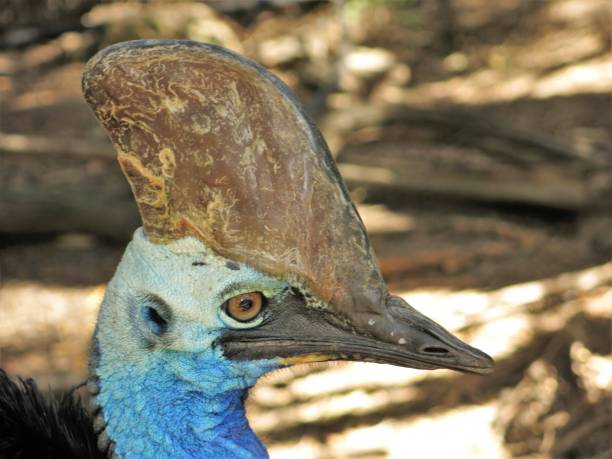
(181, 405)
(166, 389)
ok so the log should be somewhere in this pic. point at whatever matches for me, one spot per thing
(458, 154)
(418, 165)
(450, 259)
(454, 125)
(65, 193)
(91, 210)
(553, 191)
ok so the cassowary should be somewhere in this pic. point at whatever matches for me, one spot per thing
(251, 258)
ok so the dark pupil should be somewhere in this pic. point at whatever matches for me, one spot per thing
(245, 304)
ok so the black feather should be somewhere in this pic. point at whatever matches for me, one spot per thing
(34, 426)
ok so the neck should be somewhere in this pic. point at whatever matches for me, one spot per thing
(168, 409)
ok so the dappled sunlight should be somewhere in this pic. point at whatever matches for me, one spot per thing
(592, 76)
(37, 319)
(440, 435)
(491, 85)
(59, 86)
(380, 219)
(568, 59)
(473, 137)
(595, 371)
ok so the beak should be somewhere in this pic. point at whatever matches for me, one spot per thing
(296, 333)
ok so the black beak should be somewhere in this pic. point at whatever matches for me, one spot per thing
(296, 333)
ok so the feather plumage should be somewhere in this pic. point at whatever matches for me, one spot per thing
(34, 425)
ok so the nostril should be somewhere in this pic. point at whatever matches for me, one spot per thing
(435, 350)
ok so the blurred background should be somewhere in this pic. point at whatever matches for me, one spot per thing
(475, 138)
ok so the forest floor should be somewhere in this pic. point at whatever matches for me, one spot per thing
(478, 149)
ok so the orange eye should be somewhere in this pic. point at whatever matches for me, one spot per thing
(244, 307)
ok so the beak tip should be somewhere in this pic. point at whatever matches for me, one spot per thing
(481, 363)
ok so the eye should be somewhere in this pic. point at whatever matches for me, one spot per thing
(244, 307)
(154, 320)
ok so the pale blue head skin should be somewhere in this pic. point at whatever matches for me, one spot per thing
(174, 394)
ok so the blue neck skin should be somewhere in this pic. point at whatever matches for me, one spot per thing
(180, 405)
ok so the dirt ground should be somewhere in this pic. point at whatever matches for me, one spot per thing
(475, 139)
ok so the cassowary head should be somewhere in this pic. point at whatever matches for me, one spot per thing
(252, 256)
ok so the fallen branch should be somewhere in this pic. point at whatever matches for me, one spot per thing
(542, 187)
(451, 125)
